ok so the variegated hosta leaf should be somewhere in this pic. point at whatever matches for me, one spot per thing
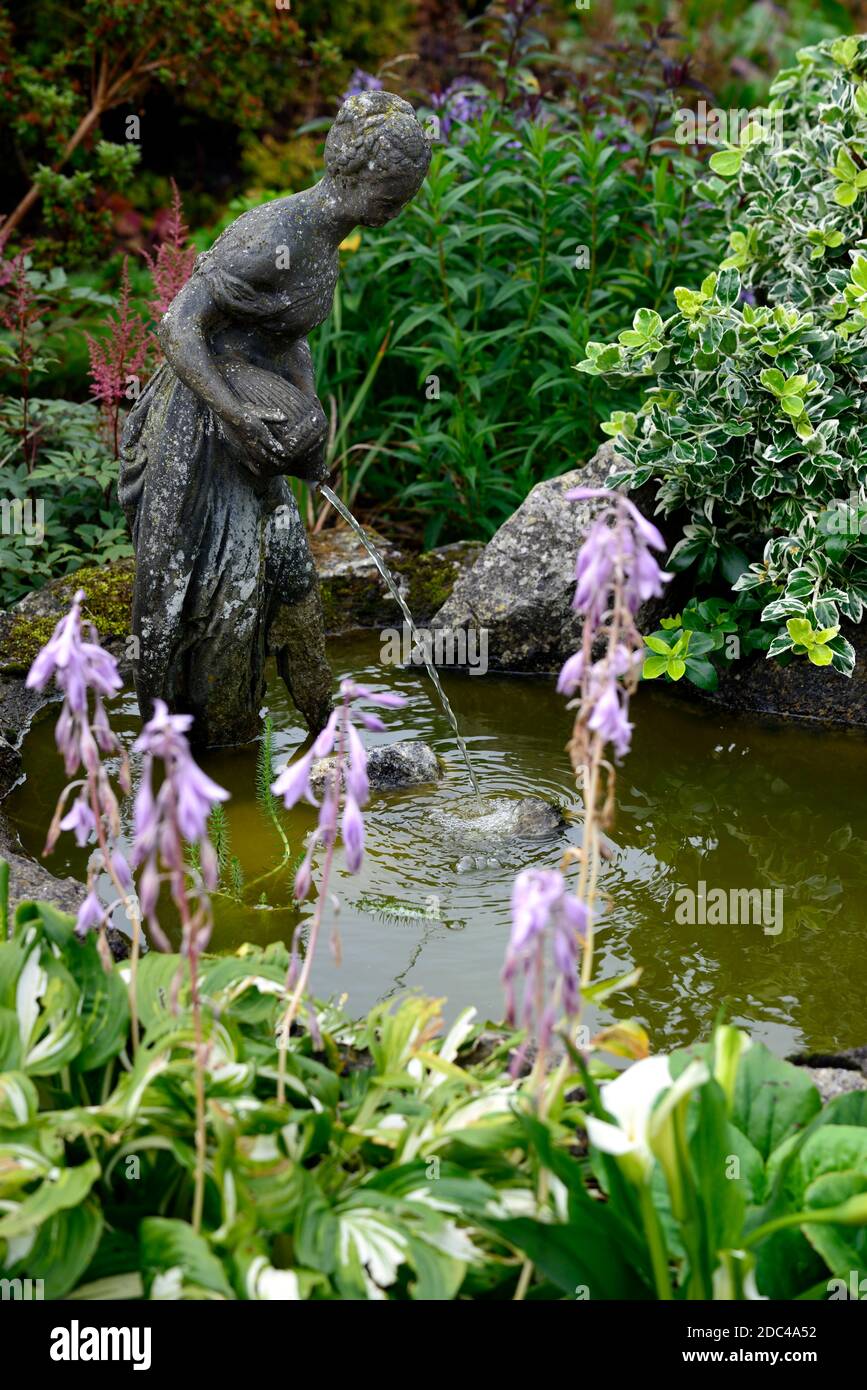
(38, 987)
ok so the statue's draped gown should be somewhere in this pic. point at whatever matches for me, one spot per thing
(217, 548)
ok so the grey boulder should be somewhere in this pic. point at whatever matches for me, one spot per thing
(520, 589)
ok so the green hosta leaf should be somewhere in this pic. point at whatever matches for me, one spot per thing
(59, 1189)
(843, 1248)
(19, 1100)
(64, 1246)
(589, 1252)
(179, 1263)
(47, 1003)
(104, 1005)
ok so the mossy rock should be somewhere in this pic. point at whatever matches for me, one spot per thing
(107, 604)
(431, 576)
(353, 595)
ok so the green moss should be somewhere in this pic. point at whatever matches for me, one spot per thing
(107, 604)
(352, 601)
(22, 641)
(432, 576)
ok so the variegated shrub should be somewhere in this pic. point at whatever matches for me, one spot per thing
(754, 425)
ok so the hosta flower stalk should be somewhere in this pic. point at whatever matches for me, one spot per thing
(87, 676)
(345, 790)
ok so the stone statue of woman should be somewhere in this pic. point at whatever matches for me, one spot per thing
(219, 541)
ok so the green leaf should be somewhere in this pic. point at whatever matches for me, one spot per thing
(62, 1188)
(726, 163)
(820, 656)
(800, 630)
(177, 1262)
(702, 673)
(773, 1099)
(658, 645)
(19, 1100)
(587, 1253)
(845, 194)
(653, 667)
(104, 1005)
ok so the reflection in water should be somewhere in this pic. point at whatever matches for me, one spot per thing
(702, 799)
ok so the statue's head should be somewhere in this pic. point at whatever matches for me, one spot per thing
(377, 155)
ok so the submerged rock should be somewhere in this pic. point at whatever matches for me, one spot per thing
(407, 764)
(498, 818)
(520, 590)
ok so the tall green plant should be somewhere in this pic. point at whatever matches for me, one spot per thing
(527, 237)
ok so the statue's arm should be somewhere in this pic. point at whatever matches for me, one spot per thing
(299, 367)
(183, 335)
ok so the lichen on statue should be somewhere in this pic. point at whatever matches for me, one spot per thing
(231, 413)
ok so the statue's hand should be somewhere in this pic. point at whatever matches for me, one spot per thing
(257, 442)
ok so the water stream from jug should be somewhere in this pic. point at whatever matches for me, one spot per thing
(400, 601)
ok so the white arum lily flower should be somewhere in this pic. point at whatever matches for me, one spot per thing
(630, 1100)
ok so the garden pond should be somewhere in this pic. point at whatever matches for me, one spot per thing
(704, 798)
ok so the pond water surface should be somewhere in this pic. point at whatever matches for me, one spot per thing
(703, 798)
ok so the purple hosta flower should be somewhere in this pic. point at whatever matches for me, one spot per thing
(617, 548)
(178, 812)
(348, 778)
(76, 665)
(361, 81)
(616, 572)
(87, 676)
(80, 820)
(79, 668)
(608, 719)
(91, 914)
(543, 910)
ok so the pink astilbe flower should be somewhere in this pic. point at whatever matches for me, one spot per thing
(546, 919)
(117, 356)
(173, 263)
